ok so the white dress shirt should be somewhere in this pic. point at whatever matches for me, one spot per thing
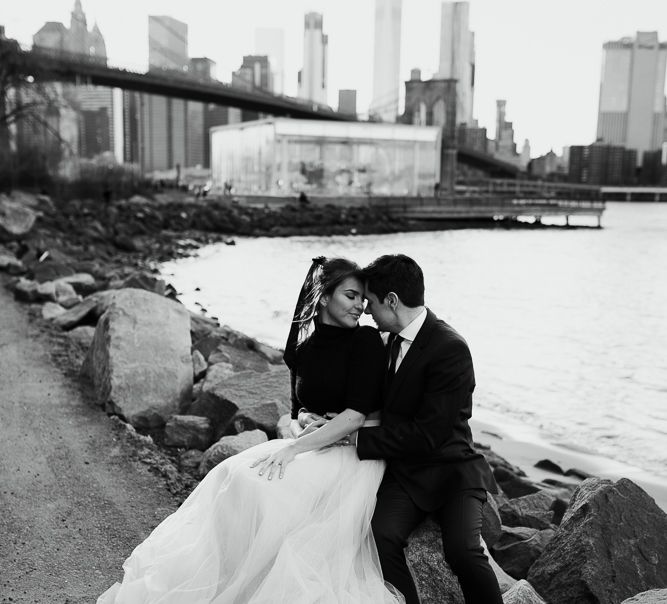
(409, 333)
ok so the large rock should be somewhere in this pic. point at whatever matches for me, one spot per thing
(51, 310)
(522, 592)
(519, 547)
(491, 523)
(228, 446)
(82, 336)
(144, 281)
(436, 582)
(86, 312)
(534, 510)
(16, 221)
(199, 365)
(652, 596)
(201, 326)
(243, 401)
(188, 431)
(215, 348)
(83, 283)
(140, 370)
(10, 264)
(610, 546)
(189, 461)
(51, 270)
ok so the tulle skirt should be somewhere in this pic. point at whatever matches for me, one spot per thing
(240, 539)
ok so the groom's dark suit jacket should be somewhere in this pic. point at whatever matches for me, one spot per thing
(424, 435)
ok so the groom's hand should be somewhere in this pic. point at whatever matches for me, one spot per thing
(312, 426)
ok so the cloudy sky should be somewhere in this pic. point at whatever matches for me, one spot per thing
(542, 56)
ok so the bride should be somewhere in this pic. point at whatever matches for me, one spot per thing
(286, 520)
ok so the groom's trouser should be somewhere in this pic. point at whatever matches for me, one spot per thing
(460, 520)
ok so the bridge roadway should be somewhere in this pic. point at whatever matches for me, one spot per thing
(47, 65)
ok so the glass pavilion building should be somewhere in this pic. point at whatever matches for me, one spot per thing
(284, 157)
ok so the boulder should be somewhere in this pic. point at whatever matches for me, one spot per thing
(82, 335)
(51, 270)
(549, 466)
(491, 524)
(513, 485)
(216, 349)
(199, 365)
(25, 290)
(228, 446)
(201, 326)
(188, 431)
(144, 281)
(518, 547)
(51, 310)
(10, 264)
(65, 293)
(243, 401)
(140, 370)
(652, 596)
(83, 283)
(522, 592)
(188, 461)
(87, 312)
(496, 462)
(610, 546)
(16, 220)
(272, 355)
(435, 581)
(534, 510)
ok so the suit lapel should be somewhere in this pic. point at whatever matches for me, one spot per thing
(414, 352)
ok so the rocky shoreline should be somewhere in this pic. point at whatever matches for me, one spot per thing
(191, 395)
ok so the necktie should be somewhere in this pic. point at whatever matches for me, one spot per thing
(394, 349)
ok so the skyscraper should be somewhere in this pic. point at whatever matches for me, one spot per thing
(505, 145)
(92, 106)
(164, 141)
(457, 56)
(347, 101)
(386, 60)
(632, 93)
(313, 76)
(167, 43)
(270, 41)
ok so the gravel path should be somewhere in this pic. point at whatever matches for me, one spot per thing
(74, 498)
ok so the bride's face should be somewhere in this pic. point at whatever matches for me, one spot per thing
(345, 305)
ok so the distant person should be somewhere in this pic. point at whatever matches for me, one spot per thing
(303, 199)
(286, 521)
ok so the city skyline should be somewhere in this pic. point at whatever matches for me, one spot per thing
(543, 58)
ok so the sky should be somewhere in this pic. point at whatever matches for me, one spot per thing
(543, 57)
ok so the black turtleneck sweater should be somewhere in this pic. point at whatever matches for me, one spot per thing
(338, 368)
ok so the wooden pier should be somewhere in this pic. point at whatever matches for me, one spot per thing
(493, 200)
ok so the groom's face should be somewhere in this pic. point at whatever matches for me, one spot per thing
(382, 314)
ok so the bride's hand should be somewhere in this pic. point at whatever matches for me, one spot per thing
(275, 462)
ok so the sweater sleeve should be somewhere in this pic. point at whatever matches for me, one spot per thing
(366, 371)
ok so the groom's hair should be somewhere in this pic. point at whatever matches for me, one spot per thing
(396, 273)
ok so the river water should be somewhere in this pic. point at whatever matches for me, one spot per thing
(567, 327)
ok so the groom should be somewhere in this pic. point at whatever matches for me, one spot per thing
(432, 467)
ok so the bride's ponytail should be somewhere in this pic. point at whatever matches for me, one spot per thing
(304, 311)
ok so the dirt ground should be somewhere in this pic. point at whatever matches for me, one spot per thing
(75, 499)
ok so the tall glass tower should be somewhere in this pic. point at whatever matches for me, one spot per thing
(386, 60)
(313, 76)
(632, 93)
(457, 56)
